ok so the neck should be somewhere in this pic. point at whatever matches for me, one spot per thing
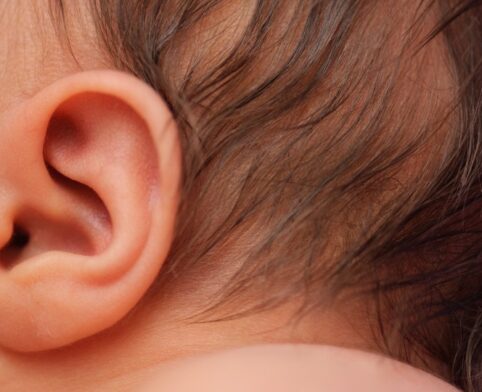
(147, 339)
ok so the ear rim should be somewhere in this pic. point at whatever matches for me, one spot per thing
(112, 279)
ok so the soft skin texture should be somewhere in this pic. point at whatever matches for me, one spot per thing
(90, 168)
(293, 368)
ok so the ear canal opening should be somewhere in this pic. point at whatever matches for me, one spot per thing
(12, 250)
(20, 238)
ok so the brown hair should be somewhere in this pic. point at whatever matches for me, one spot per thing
(329, 146)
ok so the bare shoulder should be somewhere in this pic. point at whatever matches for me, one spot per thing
(293, 368)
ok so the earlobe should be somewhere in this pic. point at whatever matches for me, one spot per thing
(88, 223)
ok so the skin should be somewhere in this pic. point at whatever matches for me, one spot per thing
(294, 368)
(93, 254)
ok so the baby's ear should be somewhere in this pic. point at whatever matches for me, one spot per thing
(90, 173)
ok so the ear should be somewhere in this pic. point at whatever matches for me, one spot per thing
(89, 181)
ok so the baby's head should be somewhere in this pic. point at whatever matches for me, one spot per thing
(179, 177)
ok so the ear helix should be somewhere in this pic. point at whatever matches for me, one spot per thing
(88, 223)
